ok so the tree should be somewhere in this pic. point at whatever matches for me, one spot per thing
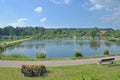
(116, 33)
(0, 31)
(93, 32)
(9, 30)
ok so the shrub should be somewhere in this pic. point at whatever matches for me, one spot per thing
(106, 52)
(42, 54)
(1, 55)
(77, 53)
(1, 48)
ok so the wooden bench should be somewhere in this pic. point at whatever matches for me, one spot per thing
(110, 60)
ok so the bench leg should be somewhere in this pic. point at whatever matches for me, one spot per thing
(100, 62)
(112, 62)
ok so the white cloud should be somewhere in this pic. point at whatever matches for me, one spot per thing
(55, 1)
(96, 7)
(43, 20)
(107, 4)
(60, 1)
(112, 7)
(92, 1)
(112, 18)
(66, 1)
(85, 5)
(38, 9)
(22, 20)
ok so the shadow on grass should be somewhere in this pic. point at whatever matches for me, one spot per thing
(42, 76)
(46, 73)
(111, 65)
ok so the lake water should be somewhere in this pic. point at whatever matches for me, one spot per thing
(64, 48)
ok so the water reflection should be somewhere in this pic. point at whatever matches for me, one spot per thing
(108, 44)
(64, 48)
(118, 43)
(94, 45)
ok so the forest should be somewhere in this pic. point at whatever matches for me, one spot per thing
(14, 33)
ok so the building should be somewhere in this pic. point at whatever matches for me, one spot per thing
(102, 32)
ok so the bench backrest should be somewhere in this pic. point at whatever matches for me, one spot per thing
(108, 59)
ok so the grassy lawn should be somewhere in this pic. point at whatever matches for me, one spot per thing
(89, 72)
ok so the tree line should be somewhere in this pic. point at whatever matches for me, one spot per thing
(10, 32)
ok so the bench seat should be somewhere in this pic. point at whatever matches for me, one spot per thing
(107, 60)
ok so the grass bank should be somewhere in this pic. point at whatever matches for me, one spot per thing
(12, 43)
(25, 58)
(80, 72)
(4, 45)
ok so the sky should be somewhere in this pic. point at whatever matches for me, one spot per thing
(60, 13)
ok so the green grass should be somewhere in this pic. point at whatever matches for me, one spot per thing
(24, 58)
(89, 72)
(12, 43)
(14, 57)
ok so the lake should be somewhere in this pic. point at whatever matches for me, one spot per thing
(64, 48)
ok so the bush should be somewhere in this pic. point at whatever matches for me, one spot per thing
(106, 52)
(1, 55)
(77, 53)
(42, 54)
(1, 48)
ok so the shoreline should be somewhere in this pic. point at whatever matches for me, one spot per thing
(12, 43)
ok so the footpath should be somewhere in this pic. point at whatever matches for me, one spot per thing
(6, 63)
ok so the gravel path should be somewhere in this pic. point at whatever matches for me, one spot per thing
(4, 63)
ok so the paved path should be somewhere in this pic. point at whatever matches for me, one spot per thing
(53, 63)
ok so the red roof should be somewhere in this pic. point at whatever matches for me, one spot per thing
(103, 31)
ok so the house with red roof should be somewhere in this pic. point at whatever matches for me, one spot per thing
(102, 32)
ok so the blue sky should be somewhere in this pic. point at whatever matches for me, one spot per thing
(60, 13)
